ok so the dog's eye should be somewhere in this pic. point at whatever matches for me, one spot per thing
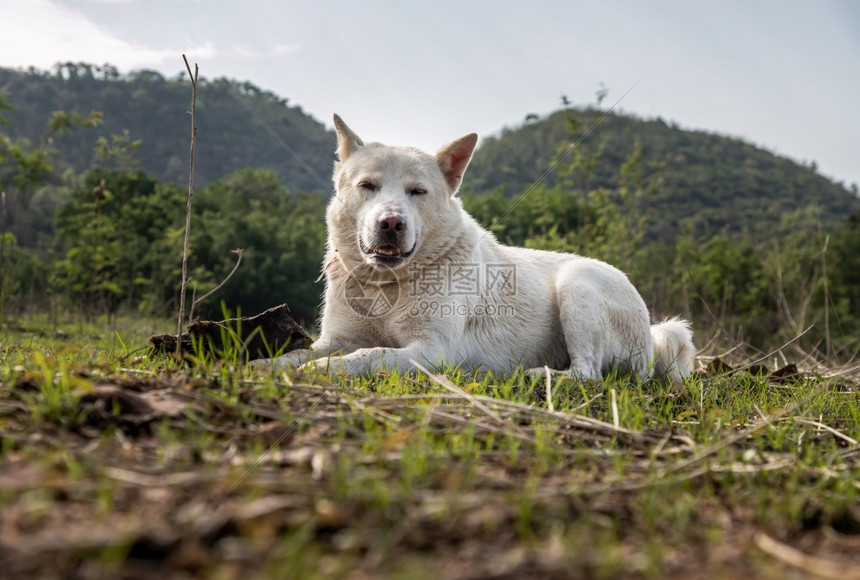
(368, 186)
(417, 191)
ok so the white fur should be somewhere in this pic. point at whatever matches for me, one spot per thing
(567, 312)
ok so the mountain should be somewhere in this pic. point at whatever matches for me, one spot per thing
(704, 182)
(699, 182)
(150, 107)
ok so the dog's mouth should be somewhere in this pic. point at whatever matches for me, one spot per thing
(387, 254)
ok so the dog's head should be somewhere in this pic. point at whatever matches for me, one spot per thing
(388, 199)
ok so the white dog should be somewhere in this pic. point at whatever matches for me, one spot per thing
(410, 276)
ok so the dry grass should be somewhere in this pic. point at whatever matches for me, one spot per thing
(115, 465)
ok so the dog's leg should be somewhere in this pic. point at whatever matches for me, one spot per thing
(580, 324)
(604, 321)
(365, 361)
(540, 374)
(293, 358)
(322, 348)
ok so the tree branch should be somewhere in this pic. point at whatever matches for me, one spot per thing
(238, 252)
(188, 204)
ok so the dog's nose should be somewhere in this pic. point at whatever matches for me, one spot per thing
(392, 222)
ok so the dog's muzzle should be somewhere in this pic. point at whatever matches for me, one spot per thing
(386, 253)
(386, 245)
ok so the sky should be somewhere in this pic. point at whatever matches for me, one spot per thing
(782, 74)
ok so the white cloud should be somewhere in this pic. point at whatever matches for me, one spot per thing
(244, 51)
(52, 32)
(280, 49)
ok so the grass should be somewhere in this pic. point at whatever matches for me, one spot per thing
(116, 464)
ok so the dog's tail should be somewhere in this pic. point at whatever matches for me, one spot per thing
(673, 349)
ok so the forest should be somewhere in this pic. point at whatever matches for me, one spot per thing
(749, 245)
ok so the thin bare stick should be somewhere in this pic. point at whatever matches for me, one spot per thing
(549, 404)
(845, 371)
(615, 422)
(761, 414)
(770, 354)
(194, 303)
(815, 565)
(188, 204)
(743, 433)
(587, 403)
(148, 480)
(443, 381)
(827, 428)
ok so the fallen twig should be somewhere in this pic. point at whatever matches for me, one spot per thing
(820, 425)
(745, 432)
(812, 564)
(444, 382)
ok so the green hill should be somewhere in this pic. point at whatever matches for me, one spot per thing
(154, 108)
(704, 181)
(708, 226)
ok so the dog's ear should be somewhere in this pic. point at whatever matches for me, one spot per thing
(347, 141)
(454, 158)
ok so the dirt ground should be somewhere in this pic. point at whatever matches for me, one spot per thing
(150, 475)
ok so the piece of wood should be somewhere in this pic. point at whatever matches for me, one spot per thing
(267, 333)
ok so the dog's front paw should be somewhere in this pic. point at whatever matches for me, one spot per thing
(541, 374)
(261, 364)
(286, 361)
(325, 366)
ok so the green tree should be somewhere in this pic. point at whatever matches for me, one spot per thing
(23, 166)
(282, 235)
(111, 230)
(726, 286)
(845, 288)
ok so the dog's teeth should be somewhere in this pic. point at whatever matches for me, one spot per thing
(388, 250)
